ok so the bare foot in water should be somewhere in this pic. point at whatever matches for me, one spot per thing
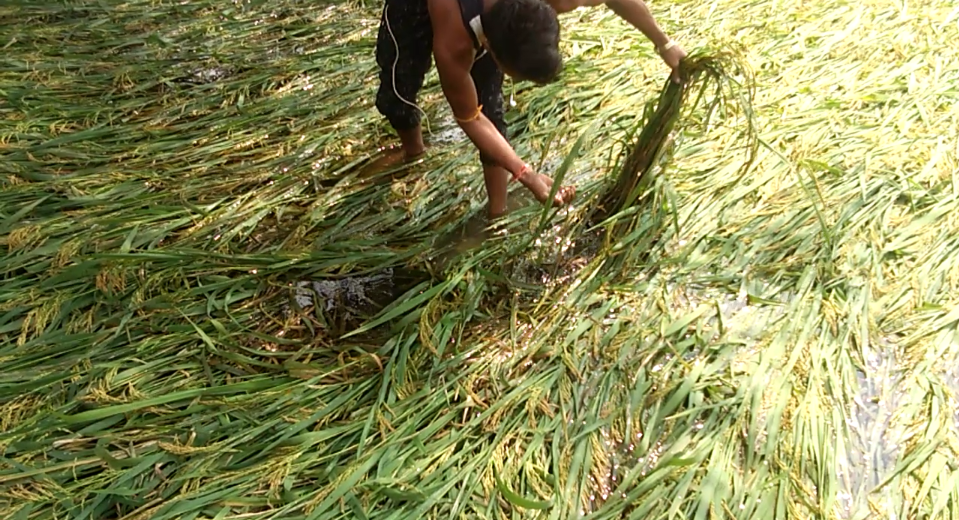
(540, 185)
(391, 158)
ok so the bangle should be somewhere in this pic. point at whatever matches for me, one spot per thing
(669, 45)
(522, 171)
(474, 117)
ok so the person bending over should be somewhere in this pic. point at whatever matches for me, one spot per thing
(474, 42)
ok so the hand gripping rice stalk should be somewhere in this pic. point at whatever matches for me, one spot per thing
(702, 72)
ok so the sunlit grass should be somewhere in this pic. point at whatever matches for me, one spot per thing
(770, 342)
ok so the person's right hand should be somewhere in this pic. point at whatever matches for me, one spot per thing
(540, 185)
(672, 56)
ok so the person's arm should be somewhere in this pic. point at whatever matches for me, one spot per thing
(637, 14)
(634, 12)
(453, 63)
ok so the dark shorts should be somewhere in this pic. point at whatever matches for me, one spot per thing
(405, 25)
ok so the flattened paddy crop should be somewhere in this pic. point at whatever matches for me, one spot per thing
(213, 306)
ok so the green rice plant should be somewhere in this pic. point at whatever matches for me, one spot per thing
(649, 146)
(635, 206)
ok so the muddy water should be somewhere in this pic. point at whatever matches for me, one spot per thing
(354, 299)
(347, 302)
(351, 300)
(470, 236)
(359, 292)
(476, 231)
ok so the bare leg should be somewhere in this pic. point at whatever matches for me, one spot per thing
(489, 87)
(404, 54)
(496, 179)
(412, 140)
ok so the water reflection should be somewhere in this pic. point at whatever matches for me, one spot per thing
(874, 441)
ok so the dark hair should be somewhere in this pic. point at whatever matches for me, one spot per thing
(523, 36)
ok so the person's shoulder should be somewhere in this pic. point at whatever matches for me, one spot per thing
(449, 34)
(443, 10)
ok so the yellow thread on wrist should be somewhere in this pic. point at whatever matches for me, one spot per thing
(669, 45)
(474, 117)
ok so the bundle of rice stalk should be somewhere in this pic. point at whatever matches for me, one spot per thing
(702, 73)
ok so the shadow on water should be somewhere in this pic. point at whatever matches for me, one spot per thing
(337, 306)
(470, 236)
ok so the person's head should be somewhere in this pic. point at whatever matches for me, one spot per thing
(523, 37)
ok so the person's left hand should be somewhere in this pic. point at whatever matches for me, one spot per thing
(672, 57)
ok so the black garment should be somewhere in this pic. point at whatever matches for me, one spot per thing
(409, 22)
(470, 9)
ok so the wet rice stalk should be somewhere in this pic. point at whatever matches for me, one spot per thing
(210, 309)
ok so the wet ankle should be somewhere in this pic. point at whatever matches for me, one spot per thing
(413, 154)
(412, 141)
(493, 214)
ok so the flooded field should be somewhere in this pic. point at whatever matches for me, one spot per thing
(226, 295)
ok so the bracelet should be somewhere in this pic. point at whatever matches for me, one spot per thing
(522, 171)
(669, 45)
(474, 117)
